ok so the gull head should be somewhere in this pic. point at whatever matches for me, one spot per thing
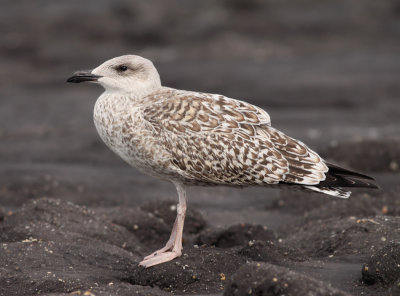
(128, 75)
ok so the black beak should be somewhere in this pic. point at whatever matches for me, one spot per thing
(82, 76)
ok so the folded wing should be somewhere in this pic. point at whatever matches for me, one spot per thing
(215, 139)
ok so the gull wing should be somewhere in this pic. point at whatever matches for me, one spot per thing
(215, 139)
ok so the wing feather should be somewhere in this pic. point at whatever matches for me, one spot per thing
(215, 139)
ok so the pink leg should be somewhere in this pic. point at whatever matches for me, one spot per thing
(173, 248)
(168, 245)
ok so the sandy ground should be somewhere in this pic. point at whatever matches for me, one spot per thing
(76, 219)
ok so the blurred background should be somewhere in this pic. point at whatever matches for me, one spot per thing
(327, 72)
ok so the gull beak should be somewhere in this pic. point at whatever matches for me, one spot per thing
(82, 76)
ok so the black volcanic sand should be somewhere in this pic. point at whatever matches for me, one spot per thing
(53, 246)
(76, 220)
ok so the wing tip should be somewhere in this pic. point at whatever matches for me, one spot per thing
(341, 177)
(343, 171)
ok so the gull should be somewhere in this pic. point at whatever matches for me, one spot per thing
(194, 138)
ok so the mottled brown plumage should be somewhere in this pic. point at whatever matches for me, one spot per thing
(213, 139)
(193, 138)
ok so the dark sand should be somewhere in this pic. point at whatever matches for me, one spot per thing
(76, 220)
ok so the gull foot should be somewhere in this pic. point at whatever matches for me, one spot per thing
(167, 247)
(159, 258)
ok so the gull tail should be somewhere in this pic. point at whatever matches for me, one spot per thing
(334, 191)
(338, 177)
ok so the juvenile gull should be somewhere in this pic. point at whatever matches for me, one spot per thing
(193, 138)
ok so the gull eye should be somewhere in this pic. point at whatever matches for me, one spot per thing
(122, 68)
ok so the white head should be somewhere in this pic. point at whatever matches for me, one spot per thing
(128, 75)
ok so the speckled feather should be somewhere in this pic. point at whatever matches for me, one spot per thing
(200, 138)
(193, 138)
(215, 139)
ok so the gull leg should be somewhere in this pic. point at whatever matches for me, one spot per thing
(168, 245)
(173, 248)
